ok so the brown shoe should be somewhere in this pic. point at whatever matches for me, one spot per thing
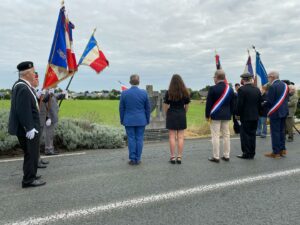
(283, 152)
(272, 155)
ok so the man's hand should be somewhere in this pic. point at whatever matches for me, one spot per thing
(30, 134)
(48, 122)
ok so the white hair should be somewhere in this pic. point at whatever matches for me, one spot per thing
(275, 74)
(24, 72)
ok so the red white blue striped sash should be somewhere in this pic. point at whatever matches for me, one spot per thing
(221, 100)
(280, 101)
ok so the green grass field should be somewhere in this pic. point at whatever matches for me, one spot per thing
(107, 111)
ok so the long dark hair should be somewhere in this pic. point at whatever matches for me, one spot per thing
(177, 89)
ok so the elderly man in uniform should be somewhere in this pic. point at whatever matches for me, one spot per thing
(292, 104)
(41, 162)
(277, 101)
(248, 107)
(49, 118)
(24, 122)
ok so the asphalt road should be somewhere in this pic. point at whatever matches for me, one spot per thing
(99, 187)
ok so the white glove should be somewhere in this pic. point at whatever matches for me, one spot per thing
(39, 93)
(65, 92)
(30, 134)
(48, 122)
(51, 91)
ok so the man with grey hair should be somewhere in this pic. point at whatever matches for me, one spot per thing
(24, 123)
(248, 107)
(277, 102)
(134, 115)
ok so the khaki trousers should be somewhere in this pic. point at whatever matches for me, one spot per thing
(218, 127)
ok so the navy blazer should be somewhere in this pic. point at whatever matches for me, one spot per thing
(226, 110)
(24, 112)
(274, 94)
(134, 107)
(249, 102)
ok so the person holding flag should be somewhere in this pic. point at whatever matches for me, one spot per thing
(277, 102)
(219, 109)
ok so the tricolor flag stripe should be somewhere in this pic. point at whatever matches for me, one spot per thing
(248, 68)
(280, 101)
(93, 56)
(91, 45)
(221, 100)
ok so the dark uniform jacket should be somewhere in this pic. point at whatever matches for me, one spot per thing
(24, 112)
(274, 94)
(249, 102)
(226, 110)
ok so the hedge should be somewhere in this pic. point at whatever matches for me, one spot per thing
(70, 134)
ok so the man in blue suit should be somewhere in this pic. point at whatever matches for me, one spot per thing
(134, 115)
(277, 101)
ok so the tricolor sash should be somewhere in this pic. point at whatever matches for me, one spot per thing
(221, 100)
(280, 101)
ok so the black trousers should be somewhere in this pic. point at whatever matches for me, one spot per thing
(236, 126)
(30, 148)
(248, 137)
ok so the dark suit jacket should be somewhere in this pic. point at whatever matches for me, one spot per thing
(249, 102)
(226, 110)
(24, 112)
(274, 94)
(134, 107)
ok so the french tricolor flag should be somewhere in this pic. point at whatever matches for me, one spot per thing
(93, 56)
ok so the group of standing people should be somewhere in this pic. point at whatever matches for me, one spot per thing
(34, 111)
(250, 108)
(31, 113)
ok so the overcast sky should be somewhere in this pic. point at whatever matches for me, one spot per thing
(155, 38)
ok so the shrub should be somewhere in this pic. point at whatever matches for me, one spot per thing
(70, 134)
(78, 134)
(7, 141)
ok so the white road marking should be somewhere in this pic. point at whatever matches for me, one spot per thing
(135, 202)
(44, 157)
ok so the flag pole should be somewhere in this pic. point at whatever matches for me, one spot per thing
(255, 78)
(70, 81)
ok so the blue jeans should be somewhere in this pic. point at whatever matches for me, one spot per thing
(135, 137)
(278, 134)
(262, 126)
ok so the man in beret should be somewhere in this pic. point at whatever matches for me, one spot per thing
(24, 122)
(248, 107)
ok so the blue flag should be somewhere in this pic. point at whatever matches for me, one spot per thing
(260, 70)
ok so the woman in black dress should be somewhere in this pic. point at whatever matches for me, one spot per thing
(176, 103)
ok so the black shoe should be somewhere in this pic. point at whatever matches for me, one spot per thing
(138, 162)
(178, 160)
(51, 153)
(245, 156)
(172, 160)
(35, 183)
(41, 166)
(212, 159)
(131, 162)
(43, 161)
(37, 177)
(225, 159)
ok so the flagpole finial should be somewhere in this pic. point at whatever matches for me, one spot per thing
(62, 2)
(248, 51)
(94, 30)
